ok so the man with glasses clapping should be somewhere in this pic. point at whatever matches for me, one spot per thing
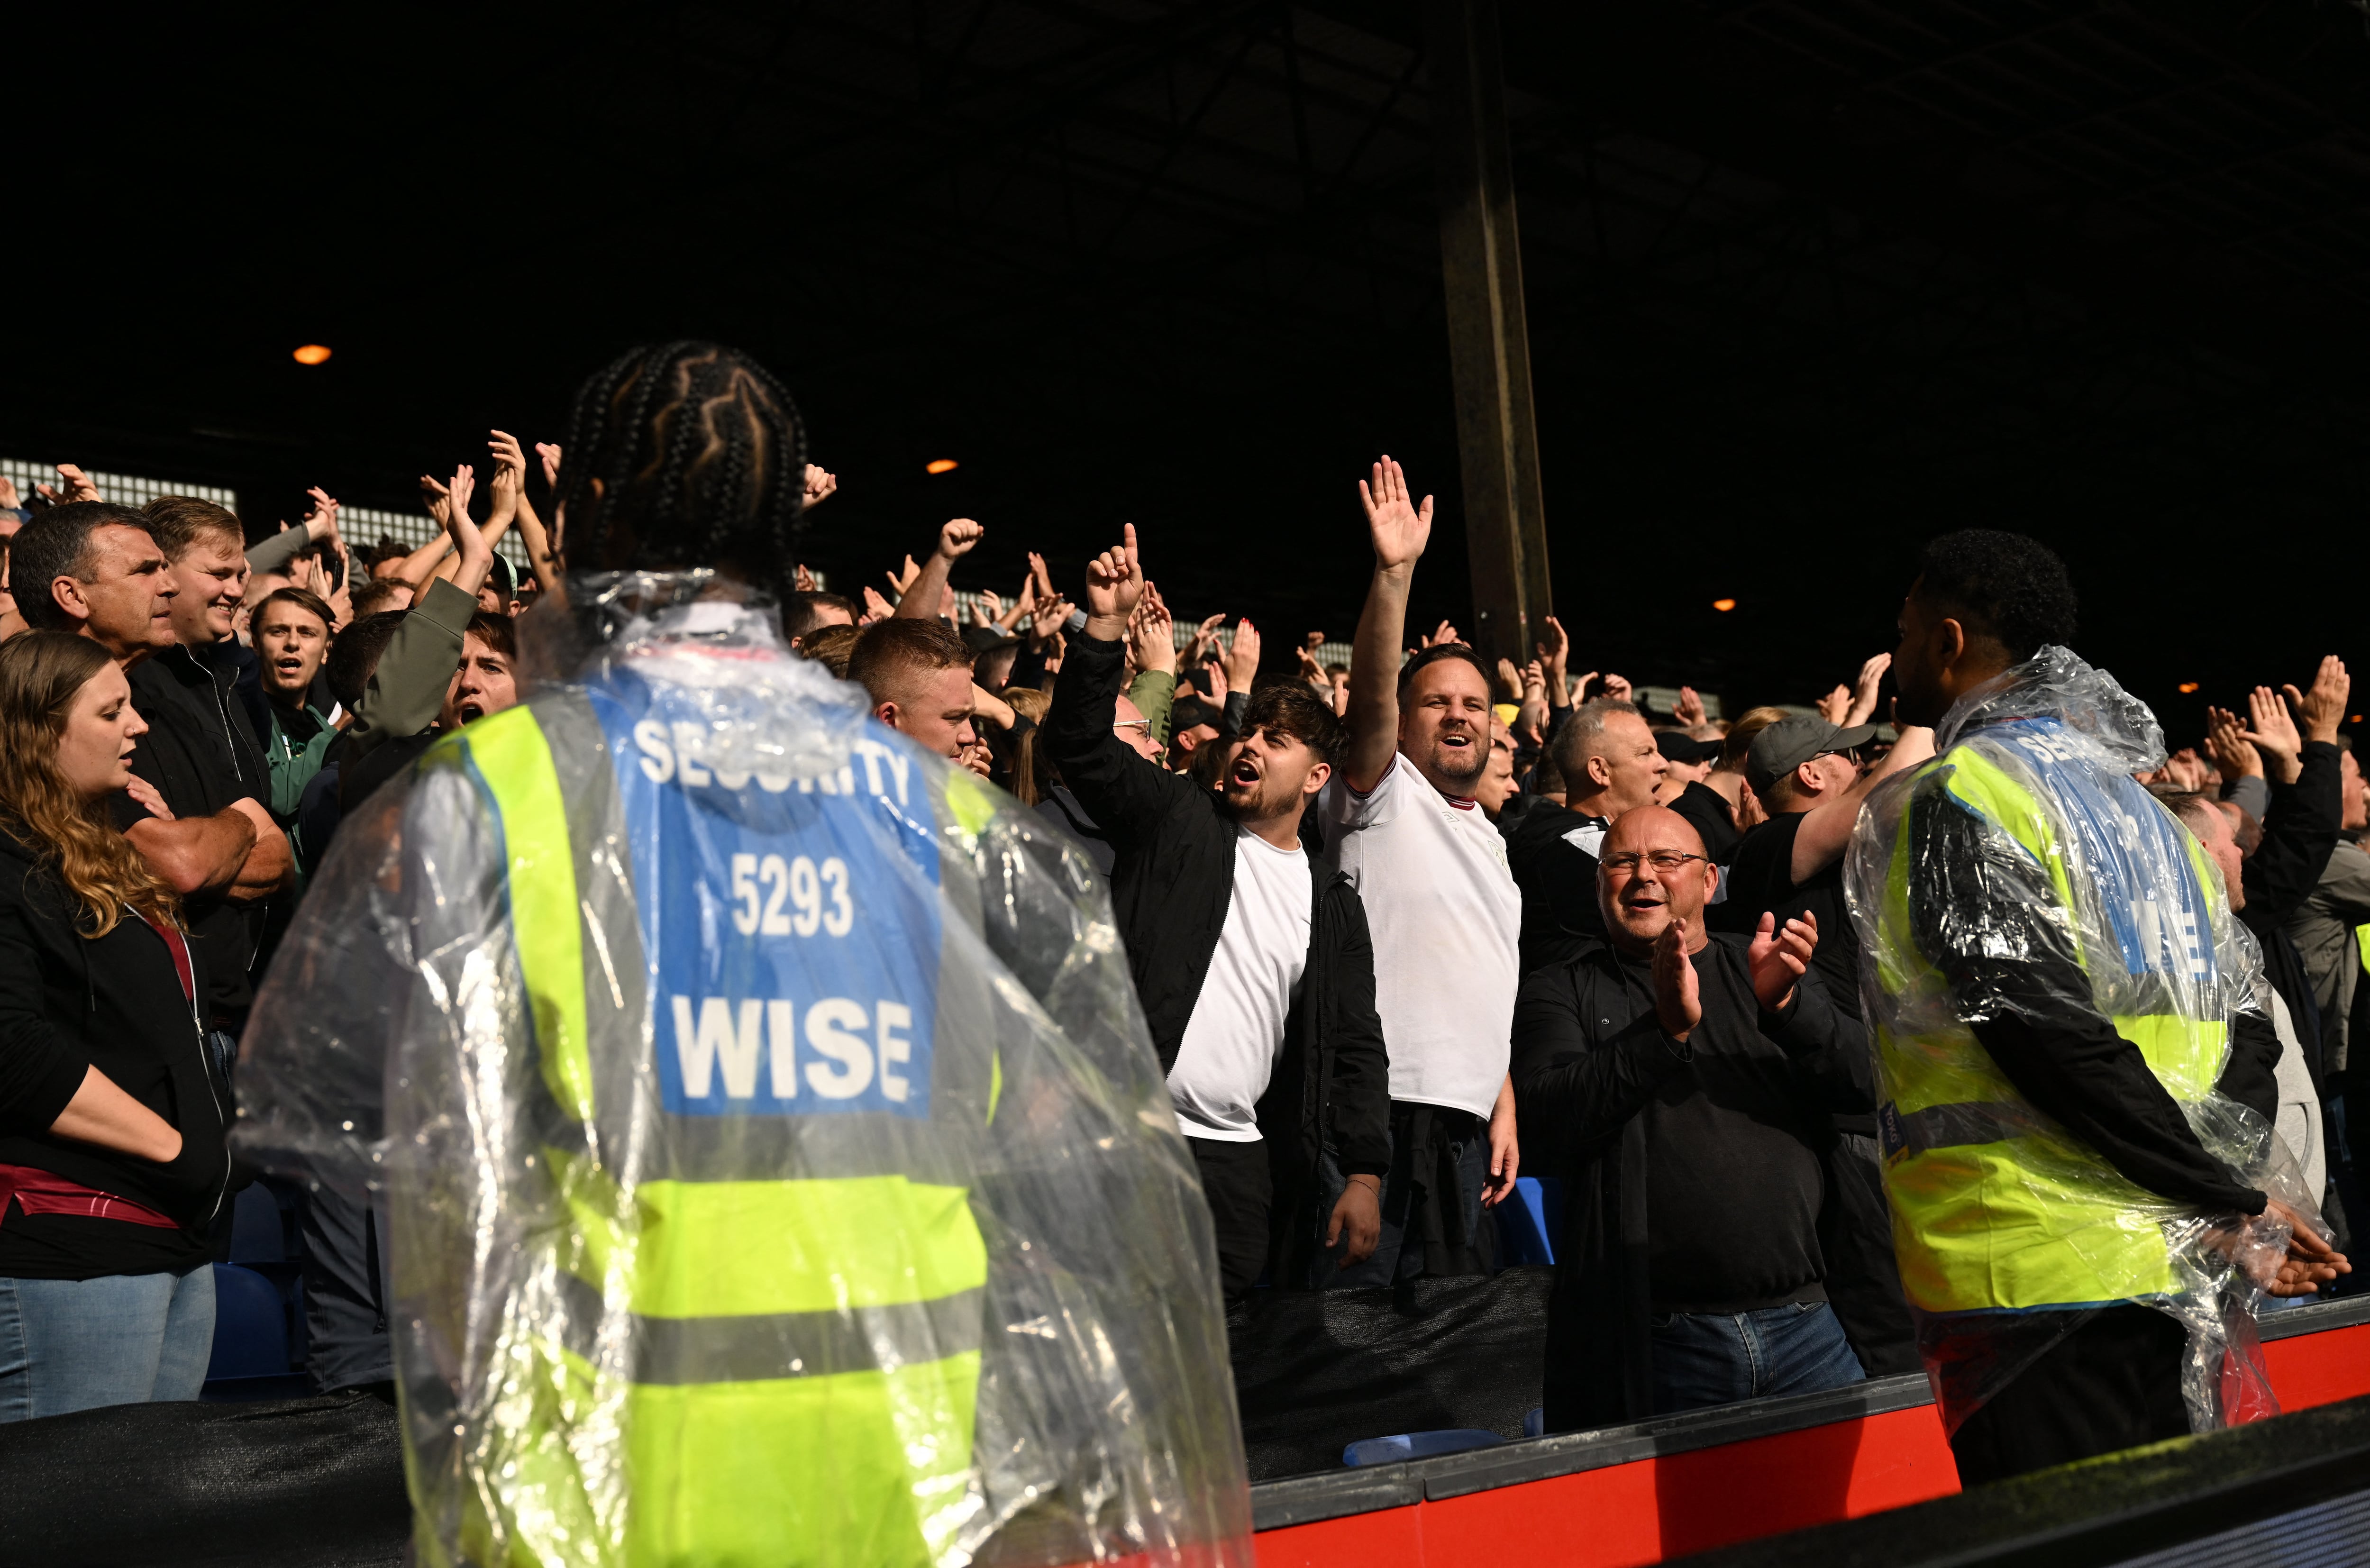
(1681, 1082)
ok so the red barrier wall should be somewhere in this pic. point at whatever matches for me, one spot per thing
(1650, 1509)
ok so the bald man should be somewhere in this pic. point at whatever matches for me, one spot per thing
(1681, 1082)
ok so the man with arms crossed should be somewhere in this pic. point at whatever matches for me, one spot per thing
(1400, 819)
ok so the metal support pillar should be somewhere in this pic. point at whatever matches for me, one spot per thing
(1489, 342)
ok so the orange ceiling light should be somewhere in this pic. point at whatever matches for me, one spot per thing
(2185, 687)
(312, 353)
(1723, 606)
(940, 466)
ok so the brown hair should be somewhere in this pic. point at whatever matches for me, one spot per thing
(496, 631)
(1289, 707)
(831, 647)
(305, 599)
(890, 651)
(178, 522)
(41, 675)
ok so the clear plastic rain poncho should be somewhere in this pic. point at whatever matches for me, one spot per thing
(2029, 863)
(777, 1164)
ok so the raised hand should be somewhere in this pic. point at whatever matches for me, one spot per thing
(1047, 617)
(1618, 689)
(1678, 1003)
(1243, 657)
(1154, 633)
(902, 582)
(509, 480)
(341, 602)
(1399, 527)
(2270, 732)
(2226, 739)
(465, 535)
(2322, 710)
(1690, 708)
(1510, 679)
(2183, 770)
(1216, 664)
(75, 485)
(436, 498)
(1863, 702)
(550, 453)
(820, 485)
(1204, 636)
(322, 521)
(1041, 576)
(876, 609)
(1554, 653)
(1114, 584)
(802, 579)
(1835, 707)
(958, 537)
(1310, 670)
(1778, 958)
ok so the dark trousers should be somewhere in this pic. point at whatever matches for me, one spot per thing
(2114, 1383)
(1239, 1189)
(1431, 1214)
(1863, 1280)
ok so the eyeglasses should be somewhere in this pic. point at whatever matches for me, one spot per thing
(1663, 860)
(1143, 724)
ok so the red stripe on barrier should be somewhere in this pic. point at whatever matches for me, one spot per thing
(1623, 1516)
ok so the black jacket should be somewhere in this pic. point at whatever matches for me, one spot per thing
(2300, 831)
(1589, 1054)
(1558, 880)
(1172, 880)
(200, 753)
(68, 1003)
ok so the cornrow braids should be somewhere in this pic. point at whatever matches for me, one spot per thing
(685, 454)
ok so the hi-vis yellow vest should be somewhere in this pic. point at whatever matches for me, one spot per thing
(1992, 1206)
(760, 1338)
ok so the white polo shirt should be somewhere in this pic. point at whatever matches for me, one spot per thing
(1445, 914)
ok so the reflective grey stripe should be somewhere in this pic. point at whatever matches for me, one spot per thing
(1951, 1127)
(778, 1345)
(805, 1344)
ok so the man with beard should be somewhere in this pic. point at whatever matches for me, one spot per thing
(1252, 961)
(1402, 820)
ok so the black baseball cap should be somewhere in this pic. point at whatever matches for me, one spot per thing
(1677, 745)
(1789, 742)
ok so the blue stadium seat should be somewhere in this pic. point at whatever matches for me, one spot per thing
(1527, 1222)
(256, 1236)
(250, 1326)
(1535, 1421)
(1418, 1445)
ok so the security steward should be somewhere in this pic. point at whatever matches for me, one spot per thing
(2058, 990)
(780, 1172)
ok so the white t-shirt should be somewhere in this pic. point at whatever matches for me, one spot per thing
(1232, 1039)
(1444, 913)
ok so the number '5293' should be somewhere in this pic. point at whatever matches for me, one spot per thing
(817, 899)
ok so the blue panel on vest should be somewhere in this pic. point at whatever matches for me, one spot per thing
(792, 932)
(2138, 850)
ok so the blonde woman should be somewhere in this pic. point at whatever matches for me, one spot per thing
(112, 1157)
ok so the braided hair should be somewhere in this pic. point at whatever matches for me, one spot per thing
(685, 454)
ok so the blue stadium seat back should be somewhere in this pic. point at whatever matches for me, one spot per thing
(1418, 1445)
(250, 1326)
(255, 1235)
(1535, 1421)
(1526, 1227)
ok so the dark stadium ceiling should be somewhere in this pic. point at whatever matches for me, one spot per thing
(1807, 281)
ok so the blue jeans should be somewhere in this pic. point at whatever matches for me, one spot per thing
(1716, 1358)
(68, 1345)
